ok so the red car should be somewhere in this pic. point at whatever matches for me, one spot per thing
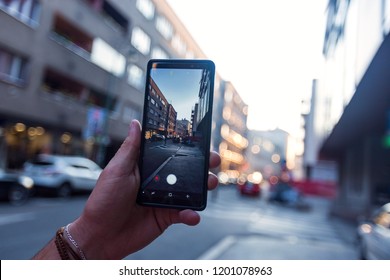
(249, 188)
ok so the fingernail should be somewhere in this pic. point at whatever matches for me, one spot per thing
(133, 127)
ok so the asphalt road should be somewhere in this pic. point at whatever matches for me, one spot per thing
(232, 227)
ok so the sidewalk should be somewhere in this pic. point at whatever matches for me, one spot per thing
(337, 244)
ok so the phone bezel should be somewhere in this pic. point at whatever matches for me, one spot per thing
(177, 202)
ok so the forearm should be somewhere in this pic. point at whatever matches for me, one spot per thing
(49, 252)
(61, 247)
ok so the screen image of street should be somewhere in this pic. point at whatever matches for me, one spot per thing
(177, 122)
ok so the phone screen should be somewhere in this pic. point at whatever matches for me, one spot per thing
(176, 127)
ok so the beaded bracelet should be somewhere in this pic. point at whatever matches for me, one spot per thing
(63, 247)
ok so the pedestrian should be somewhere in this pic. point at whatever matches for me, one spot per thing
(112, 225)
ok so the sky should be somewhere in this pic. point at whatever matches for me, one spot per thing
(269, 50)
(180, 87)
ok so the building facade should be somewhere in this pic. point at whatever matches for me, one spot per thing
(230, 131)
(351, 119)
(73, 77)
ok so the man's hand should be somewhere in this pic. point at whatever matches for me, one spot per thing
(112, 224)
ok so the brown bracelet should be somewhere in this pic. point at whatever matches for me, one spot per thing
(63, 247)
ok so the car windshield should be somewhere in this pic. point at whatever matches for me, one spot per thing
(42, 163)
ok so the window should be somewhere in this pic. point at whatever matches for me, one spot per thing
(146, 8)
(179, 45)
(135, 76)
(107, 57)
(111, 15)
(12, 67)
(114, 18)
(27, 11)
(164, 27)
(140, 40)
(158, 52)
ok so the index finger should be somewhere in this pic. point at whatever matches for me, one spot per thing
(215, 159)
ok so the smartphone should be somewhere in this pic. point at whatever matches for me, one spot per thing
(176, 129)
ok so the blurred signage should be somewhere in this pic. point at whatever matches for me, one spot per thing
(95, 127)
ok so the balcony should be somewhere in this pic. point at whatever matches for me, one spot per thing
(111, 15)
(27, 11)
(64, 89)
(71, 37)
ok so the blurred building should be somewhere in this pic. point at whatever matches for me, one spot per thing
(158, 118)
(200, 114)
(72, 72)
(352, 106)
(172, 117)
(315, 169)
(230, 131)
(183, 128)
(269, 152)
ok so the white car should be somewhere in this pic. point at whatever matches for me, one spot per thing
(62, 175)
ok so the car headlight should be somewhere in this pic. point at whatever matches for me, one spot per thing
(27, 182)
(366, 228)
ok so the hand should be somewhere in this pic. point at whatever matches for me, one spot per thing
(112, 224)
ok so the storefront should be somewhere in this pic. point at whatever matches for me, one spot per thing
(23, 140)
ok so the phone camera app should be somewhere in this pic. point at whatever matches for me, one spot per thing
(171, 179)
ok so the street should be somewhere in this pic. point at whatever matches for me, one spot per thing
(170, 158)
(232, 227)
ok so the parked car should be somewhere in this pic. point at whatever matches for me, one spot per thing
(288, 195)
(374, 235)
(285, 193)
(157, 137)
(249, 188)
(15, 188)
(62, 175)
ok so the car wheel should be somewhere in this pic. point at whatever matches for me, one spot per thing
(64, 191)
(17, 195)
(362, 250)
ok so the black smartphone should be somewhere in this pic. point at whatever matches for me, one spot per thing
(176, 129)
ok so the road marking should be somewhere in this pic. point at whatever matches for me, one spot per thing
(150, 178)
(15, 218)
(217, 250)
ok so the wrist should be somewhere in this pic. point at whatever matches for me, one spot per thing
(49, 252)
(86, 240)
(73, 243)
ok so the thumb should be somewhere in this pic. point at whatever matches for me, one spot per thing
(126, 158)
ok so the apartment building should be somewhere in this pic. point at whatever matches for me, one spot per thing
(230, 132)
(72, 72)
